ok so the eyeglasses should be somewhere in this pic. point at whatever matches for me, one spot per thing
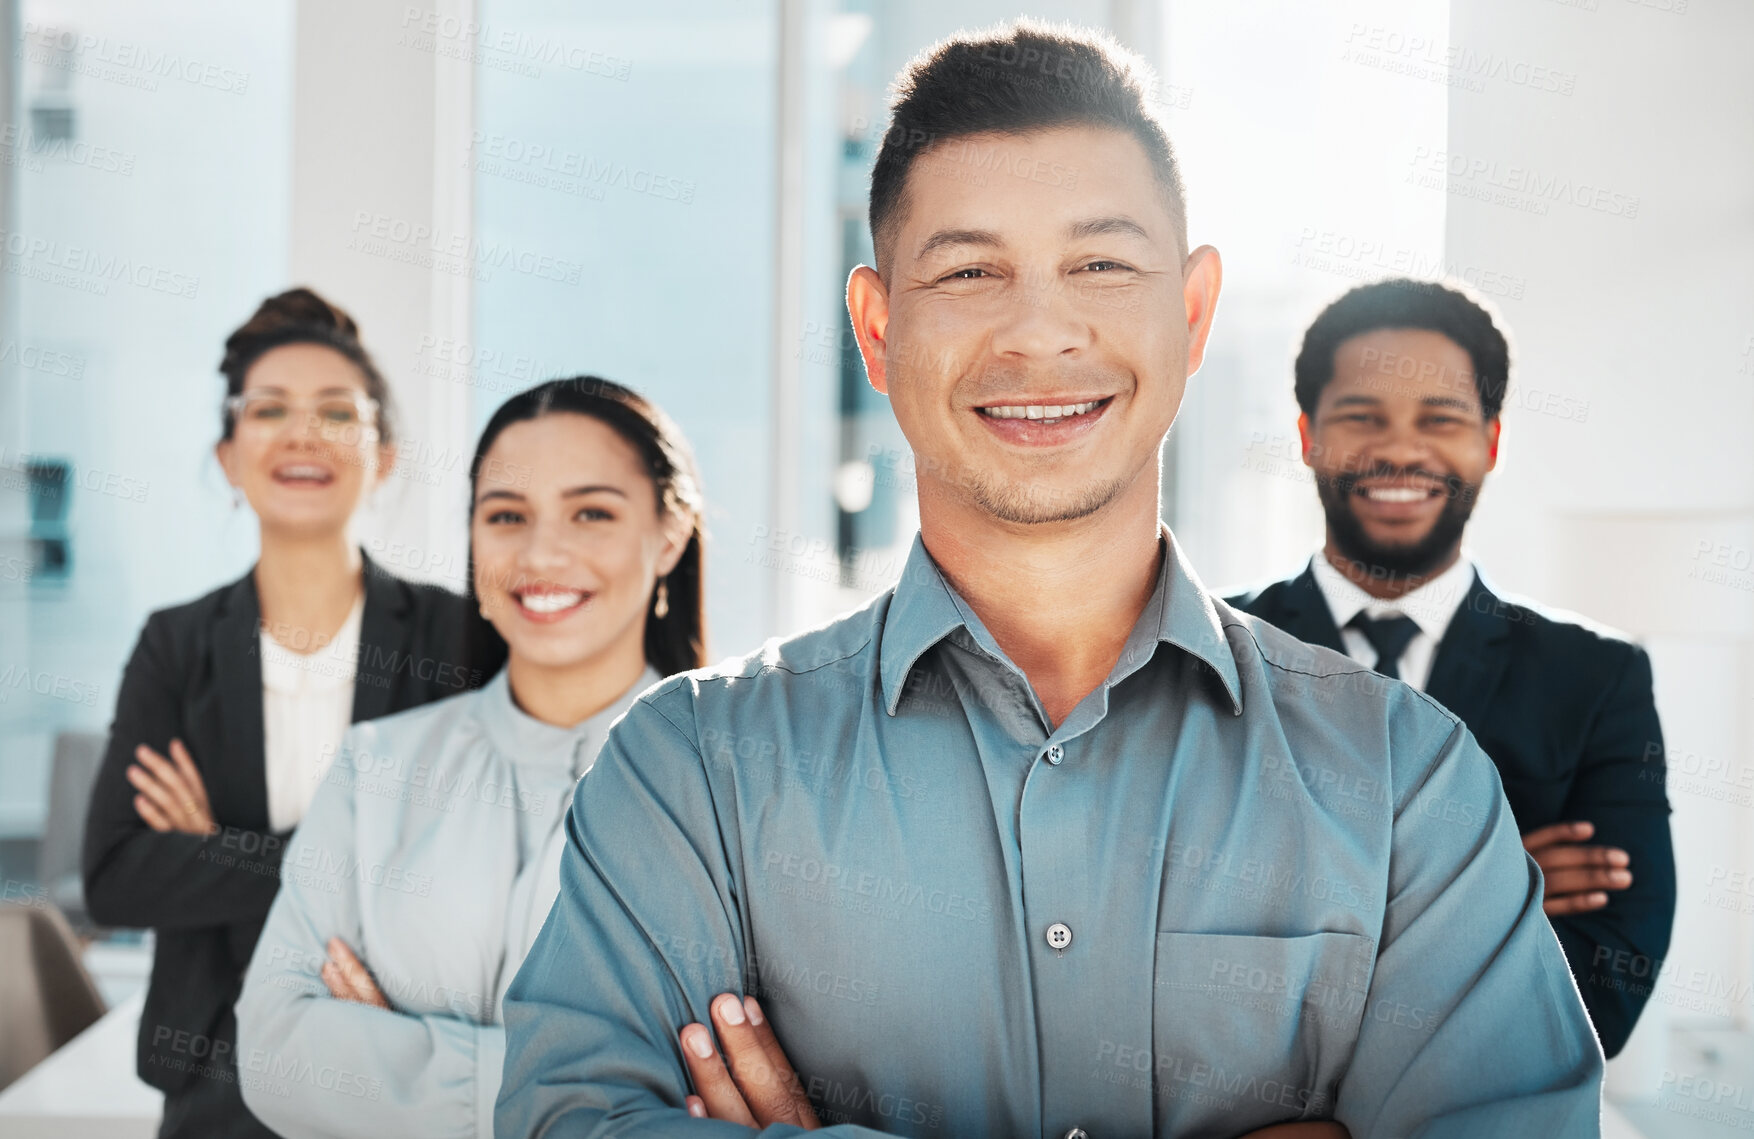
(272, 411)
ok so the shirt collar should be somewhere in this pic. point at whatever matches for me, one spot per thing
(523, 739)
(1432, 606)
(926, 608)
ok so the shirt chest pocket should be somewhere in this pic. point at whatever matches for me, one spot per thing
(1251, 1030)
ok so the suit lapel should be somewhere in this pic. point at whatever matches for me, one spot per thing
(237, 779)
(1306, 615)
(1472, 658)
(384, 642)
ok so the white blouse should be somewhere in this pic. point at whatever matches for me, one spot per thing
(307, 704)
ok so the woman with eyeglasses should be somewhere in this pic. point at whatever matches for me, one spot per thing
(431, 856)
(232, 706)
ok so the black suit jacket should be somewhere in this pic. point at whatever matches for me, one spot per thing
(196, 675)
(1568, 717)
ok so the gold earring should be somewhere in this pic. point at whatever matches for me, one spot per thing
(661, 606)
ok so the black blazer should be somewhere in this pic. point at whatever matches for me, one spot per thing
(196, 675)
(1567, 715)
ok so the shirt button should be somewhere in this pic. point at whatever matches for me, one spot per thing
(1077, 1133)
(1059, 935)
(1056, 753)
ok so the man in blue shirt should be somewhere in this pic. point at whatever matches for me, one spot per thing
(1046, 840)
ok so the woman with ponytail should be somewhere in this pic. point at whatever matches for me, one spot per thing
(431, 855)
(232, 706)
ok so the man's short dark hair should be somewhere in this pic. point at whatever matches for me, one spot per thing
(1017, 79)
(1400, 302)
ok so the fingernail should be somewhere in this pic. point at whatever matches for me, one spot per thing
(753, 1009)
(1619, 858)
(698, 1041)
(1598, 899)
(1620, 877)
(695, 1107)
(731, 1010)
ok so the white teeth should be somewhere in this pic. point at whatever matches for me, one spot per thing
(1040, 410)
(1395, 494)
(549, 602)
(302, 472)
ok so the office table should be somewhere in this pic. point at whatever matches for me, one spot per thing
(87, 1089)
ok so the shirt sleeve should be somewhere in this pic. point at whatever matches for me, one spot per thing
(312, 1066)
(646, 931)
(1614, 951)
(1472, 1025)
(138, 877)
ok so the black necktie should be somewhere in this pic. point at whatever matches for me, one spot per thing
(1388, 636)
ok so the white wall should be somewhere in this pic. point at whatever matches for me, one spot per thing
(1295, 137)
(381, 197)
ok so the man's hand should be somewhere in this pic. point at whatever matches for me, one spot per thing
(760, 1088)
(348, 978)
(172, 796)
(1578, 876)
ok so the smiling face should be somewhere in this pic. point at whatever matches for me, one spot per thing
(1035, 336)
(1400, 447)
(568, 540)
(303, 466)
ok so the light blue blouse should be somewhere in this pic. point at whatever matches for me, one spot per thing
(432, 849)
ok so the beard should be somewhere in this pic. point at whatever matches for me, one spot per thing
(1417, 558)
(1030, 503)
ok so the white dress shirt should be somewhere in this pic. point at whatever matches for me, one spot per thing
(307, 704)
(1432, 606)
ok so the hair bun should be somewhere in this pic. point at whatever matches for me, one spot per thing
(297, 316)
(299, 308)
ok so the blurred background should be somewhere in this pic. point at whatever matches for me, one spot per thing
(671, 194)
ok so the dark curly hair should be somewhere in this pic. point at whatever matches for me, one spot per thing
(1401, 302)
